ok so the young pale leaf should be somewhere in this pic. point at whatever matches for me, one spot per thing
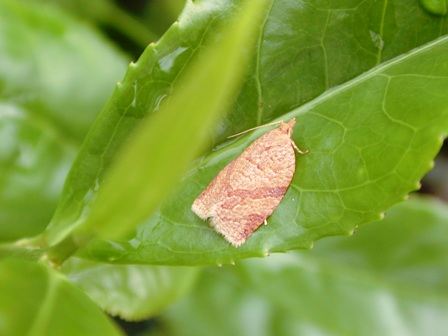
(389, 279)
(38, 301)
(371, 140)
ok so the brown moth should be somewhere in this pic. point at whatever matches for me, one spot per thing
(248, 189)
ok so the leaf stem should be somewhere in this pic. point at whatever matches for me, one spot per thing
(14, 251)
(60, 252)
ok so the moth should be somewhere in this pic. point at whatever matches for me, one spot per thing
(247, 191)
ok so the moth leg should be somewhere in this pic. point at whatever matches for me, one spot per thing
(293, 144)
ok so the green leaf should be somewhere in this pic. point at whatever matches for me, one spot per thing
(302, 50)
(48, 99)
(307, 48)
(389, 279)
(132, 292)
(371, 140)
(38, 301)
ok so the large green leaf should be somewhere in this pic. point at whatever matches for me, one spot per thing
(48, 99)
(38, 301)
(132, 292)
(389, 279)
(370, 140)
(396, 112)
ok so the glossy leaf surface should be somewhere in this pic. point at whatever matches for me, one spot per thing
(370, 138)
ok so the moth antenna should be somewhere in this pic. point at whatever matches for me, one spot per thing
(254, 128)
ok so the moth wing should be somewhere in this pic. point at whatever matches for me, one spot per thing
(205, 204)
(253, 186)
